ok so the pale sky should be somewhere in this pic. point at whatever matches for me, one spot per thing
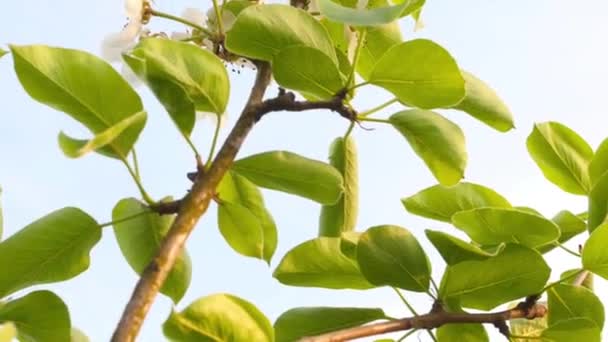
(546, 58)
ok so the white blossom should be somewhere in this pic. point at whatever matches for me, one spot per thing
(115, 44)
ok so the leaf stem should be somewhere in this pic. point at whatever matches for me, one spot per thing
(432, 335)
(406, 335)
(567, 249)
(407, 304)
(378, 108)
(214, 141)
(357, 86)
(181, 20)
(135, 163)
(137, 181)
(550, 285)
(435, 286)
(191, 144)
(360, 42)
(126, 218)
(349, 130)
(218, 18)
(373, 119)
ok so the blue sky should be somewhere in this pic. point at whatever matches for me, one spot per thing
(546, 58)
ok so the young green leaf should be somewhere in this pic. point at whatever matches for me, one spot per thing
(139, 233)
(568, 302)
(38, 316)
(320, 263)
(61, 78)
(462, 333)
(219, 317)
(291, 173)
(569, 225)
(3, 52)
(515, 272)
(441, 202)
(176, 70)
(241, 229)
(259, 32)
(391, 255)
(307, 70)
(562, 155)
(579, 329)
(298, 323)
(342, 216)
(421, 74)
(599, 163)
(453, 250)
(482, 103)
(236, 189)
(437, 140)
(491, 226)
(367, 16)
(378, 40)
(598, 203)
(53, 248)
(340, 34)
(75, 148)
(595, 253)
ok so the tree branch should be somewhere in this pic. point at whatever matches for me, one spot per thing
(432, 320)
(287, 101)
(191, 208)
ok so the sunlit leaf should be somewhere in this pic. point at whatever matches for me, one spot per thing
(599, 163)
(568, 302)
(598, 203)
(310, 321)
(421, 74)
(259, 32)
(378, 40)
(491, 226)
(441, 202)
(579, 329)
(595, 253)
(462, 333)
(241, 229)
(562, 155)
(63, 79)
(291, 173)
(53, 248)
(437, 140)
(219, 317)
(342, 216)
(139, 233)
(320, 263)
(391, 255)
(515, 272)
(38, 316)
(453, 250)
(569, 225)
(367, 16)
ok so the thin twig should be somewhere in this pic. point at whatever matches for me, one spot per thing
(191, 209)
(430, 321)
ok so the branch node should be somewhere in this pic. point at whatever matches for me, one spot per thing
(503, 328)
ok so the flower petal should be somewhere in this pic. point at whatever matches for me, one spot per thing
(115, 44)
(134, 9)
(194, 15)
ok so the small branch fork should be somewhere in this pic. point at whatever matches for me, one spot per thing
(528, 309)
(190, 208)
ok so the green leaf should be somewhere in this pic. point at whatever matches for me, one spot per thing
(241, 229)
(62, 79)
(569, 225)
(139, 233)
(579, 329)
(453, 250)
(176, 70)
(437, 140)
(598, 203)
(219, 317)
(297, 323)
(491, 226)
(482, 103)
(587, 282)
(378, 40)
(338, 33)
(320, 263)
(391, 255)
(291, 173)
(599, 163)
(367, 17)
(51, 249)
(441, 202)
(569, 302)
(75, 148)
(532, 329)
(307, 70)
(515, 272)
(259, 32)
(38, 316)
(236, 189)
(342, 216)
(462, 333)
(562, 155)
(421, 74)
(595, 253)
(3, 52)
